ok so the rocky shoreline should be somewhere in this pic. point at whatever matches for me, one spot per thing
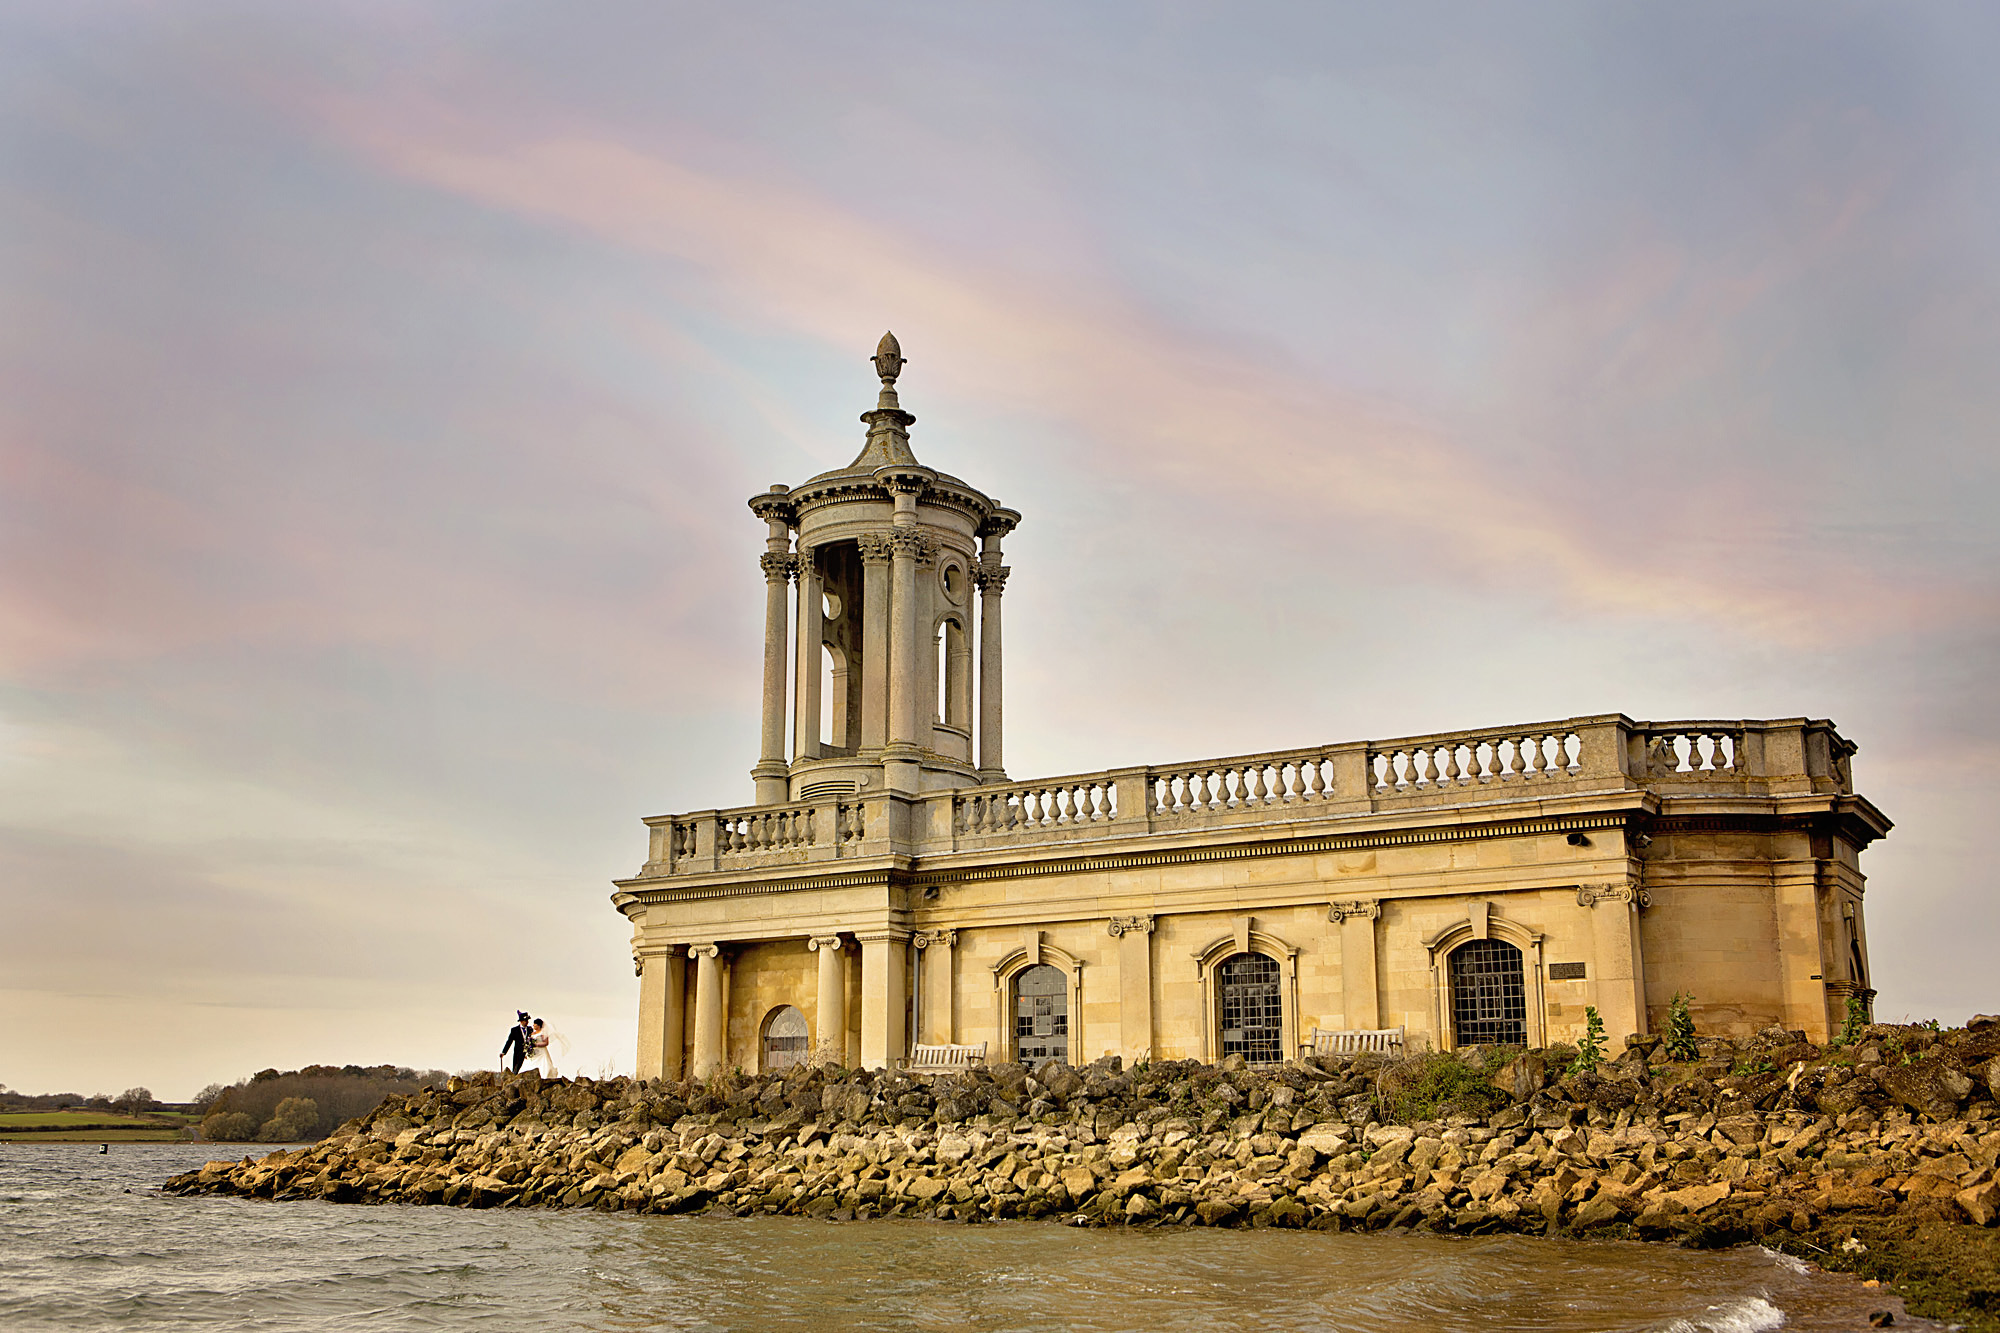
(1771, 1139)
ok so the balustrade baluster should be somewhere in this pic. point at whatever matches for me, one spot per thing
(1450, 774)
(1318, 780)
(1429, 776)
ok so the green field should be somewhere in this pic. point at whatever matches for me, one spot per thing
(90, 1127)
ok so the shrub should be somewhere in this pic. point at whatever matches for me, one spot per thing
(1857, 1020)
(295, 1119)
(1680, 1043)
(1590, 1052)
(229, 1127)
(1438, 1083)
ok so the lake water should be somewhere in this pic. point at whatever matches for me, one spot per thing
(87, 1241)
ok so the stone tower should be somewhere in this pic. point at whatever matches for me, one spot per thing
(889, 561)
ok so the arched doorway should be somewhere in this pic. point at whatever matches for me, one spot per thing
(1041, 1015)
(1250, 1006)
(787, 1040)
(1489, 1003)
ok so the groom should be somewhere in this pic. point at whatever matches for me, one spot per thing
(518, 1038)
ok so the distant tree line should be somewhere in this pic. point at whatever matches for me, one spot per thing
(302, 1104)
(132, 1101)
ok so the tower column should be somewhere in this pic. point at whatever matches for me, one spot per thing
(874, 547)
(991, 578)
(805, 727)
(778, 564)
(901, 760)
(707, 1009)
(830, 1036)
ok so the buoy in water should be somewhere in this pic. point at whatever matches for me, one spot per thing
(104, 1147)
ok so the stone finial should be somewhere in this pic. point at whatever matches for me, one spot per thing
(888, 360)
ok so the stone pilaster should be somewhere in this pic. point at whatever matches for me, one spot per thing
(1619, 986)
(662, 1011)
(884, 995)
(936, 992)
(1135, 984)
(1360, 1002)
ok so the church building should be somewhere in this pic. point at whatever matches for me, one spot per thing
(893, 894)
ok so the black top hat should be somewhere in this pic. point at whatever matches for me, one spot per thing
(521, 1014)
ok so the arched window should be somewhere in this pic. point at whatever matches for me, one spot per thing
(787, 1040)
(1041, 1015)
(1250, 1004)
(1489, 1002)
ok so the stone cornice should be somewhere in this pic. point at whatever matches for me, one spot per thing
(915, 875)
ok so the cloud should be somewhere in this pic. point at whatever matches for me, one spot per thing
(1205, 419)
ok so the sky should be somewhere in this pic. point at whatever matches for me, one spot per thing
(381, 385)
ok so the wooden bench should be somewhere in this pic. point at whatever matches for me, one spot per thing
(1351, 1041)
(945, 1059)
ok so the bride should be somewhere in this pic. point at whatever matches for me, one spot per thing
(540, 1047)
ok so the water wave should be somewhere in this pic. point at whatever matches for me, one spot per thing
(1751, 1314)
(83, 1253)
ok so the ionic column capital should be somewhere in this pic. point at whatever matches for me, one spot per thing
(704, 951)
(1365, 907)
(828, 942)
(1129, 925)
(1590, 895)
(924, 939)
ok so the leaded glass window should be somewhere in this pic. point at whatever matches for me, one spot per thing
(786, 1039)
(1041, 1015)
(1252, 1009)
(1488, 994)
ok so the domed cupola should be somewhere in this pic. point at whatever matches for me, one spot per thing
(891, 558)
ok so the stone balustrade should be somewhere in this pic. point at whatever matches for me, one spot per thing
(1537, 761)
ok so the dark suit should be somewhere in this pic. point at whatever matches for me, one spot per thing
(517, 1042)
